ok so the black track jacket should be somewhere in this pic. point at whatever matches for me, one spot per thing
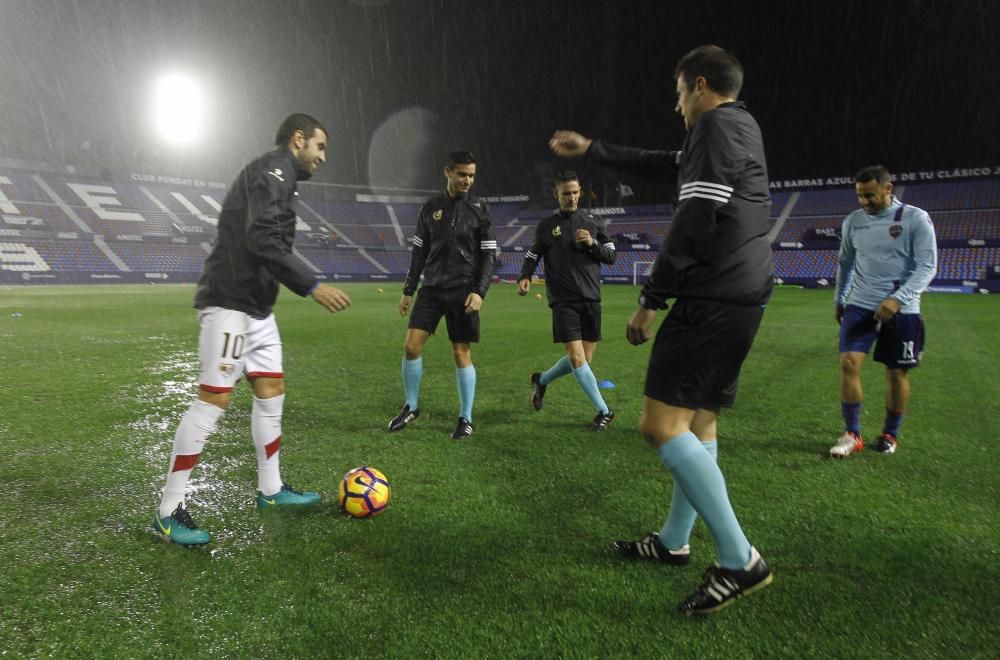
(572, 272)
(453, 245)
(253, 250)
(716, 247)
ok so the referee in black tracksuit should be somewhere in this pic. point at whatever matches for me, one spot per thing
(455, 251)
(715, 261)
(574, 244)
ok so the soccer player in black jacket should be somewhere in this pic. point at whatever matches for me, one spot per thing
(574, 244)
(455, 250)
(715, 261)
(239, 336)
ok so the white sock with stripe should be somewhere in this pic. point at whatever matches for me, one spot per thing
(198, 422)
(265, 426)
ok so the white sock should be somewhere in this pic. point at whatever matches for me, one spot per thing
(266, 429)
(196, 425)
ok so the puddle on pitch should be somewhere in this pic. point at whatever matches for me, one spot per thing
(220, 494)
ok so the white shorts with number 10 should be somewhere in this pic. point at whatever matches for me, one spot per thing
(232, 343)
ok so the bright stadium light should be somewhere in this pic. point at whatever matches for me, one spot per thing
(178, 109)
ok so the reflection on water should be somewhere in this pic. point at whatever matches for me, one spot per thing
(220, 494)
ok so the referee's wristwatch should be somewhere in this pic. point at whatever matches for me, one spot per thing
(650, 302)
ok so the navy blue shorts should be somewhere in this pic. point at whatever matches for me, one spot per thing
(576, 320)
(433, 303)
(899, 342)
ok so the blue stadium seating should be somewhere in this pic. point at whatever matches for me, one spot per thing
(812, 264)
(154, 257)
(839, 201)
(966, 263)
(963, 212)
(73, 255)
(983, 194)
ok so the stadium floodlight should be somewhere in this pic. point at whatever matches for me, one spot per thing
(178, 109)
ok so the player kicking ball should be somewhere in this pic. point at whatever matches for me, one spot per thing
(239, 335)
(574, 244)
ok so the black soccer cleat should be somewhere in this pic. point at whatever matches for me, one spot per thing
(537, 390)
(602, 421)
(463, 429)
(721, 587)
(404, 417)
(650, 547)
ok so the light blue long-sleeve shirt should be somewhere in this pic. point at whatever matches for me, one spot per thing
(880, 258)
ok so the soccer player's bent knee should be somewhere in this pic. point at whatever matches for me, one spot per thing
(463, 356)
(650, 432)
(268, 388)
(217, 399)
(850, 365)
(576, 351)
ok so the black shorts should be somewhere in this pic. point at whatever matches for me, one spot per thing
(433, 303)
(698, 353)
(576, 320)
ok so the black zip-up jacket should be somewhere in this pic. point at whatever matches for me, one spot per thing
(253, 250)
(453, 245)
(572, 271)
(716, 247)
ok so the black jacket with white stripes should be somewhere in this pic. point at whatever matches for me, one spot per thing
(453, 245)
(252, 252)
(716, 246)
(572, 271)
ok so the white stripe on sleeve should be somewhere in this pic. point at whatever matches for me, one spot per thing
(707, 184)
(702, 195)
(715, 192)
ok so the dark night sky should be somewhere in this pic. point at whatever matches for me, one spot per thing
(834, 85)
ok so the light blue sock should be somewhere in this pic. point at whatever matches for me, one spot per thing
(676, 530)
(466, 378)
(413, 371)
(585, 379)
(557, 370)
(695, 470)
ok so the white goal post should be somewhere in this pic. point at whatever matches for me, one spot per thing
(641, 270)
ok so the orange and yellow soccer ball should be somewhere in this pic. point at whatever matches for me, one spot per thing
(364, 492)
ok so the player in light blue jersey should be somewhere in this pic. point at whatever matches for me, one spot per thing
(888, 257)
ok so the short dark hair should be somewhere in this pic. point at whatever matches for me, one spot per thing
(460, 158)
(297, 122)
(873, 173)
(720, 69)
(568, 175)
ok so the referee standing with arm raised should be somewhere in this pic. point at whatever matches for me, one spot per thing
(716, 262)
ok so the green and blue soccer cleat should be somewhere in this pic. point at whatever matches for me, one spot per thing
(179, 528)
(285, 497)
